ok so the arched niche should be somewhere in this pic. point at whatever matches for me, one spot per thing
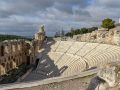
(6, 49)
(3, 64)
(14, 63)
(19, 47)
(13, 48)
(7, 66)
(2, 50)
(2, 69)
(28, 60)
(11, 65)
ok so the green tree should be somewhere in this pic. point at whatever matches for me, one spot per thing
(69, 34)
(11, 37)
(108, 23)
(84, 30)
(92, 29)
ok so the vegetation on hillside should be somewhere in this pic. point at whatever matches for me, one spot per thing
(11, 37)
(108, 23)
(48, 38)
(80, 31)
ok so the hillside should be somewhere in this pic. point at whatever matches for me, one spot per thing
(11, 37)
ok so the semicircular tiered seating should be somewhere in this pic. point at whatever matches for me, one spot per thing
(67, 58)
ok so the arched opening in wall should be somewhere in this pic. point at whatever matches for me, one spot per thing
(20, 54)
(36, 62)
(2, 50)
(21, 60)
(13, 48)
(14, 59)
(28, 60)
(2, 69)
(3, 64)
(16, 47)
(32, 60)
(17, 62)
(14, 63)
(7, 67)
(9, 58)
(11, 65)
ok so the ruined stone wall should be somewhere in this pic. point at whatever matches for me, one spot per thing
(12, 54)
(101, 36)
(39, 37)
(15, 52)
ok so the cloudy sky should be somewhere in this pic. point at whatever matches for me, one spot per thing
(23, 17)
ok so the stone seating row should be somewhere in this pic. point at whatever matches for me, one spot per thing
(67, 58)
(94, 54)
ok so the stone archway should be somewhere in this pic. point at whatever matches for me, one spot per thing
(7, 66)
(36, 62)
(2, 69)
(20, 58)
(14, 63)
(28, 60)
(32, 60)
(16, 60)
(11, 65)
(2, 50)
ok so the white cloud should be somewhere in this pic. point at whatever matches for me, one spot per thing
(26, 15)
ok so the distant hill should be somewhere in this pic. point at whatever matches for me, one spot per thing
(28, 36)
(11, 37)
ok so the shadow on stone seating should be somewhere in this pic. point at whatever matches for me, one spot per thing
(36, 64)
(62, 69)
(45, 65)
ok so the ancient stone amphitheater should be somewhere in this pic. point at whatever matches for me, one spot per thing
(69, 65)
(68, 59)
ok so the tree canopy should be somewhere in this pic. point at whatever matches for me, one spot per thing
(80, 31)
(108, 23)
(11, 37)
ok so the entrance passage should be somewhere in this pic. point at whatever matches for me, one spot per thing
(28, 60)
(36, 62)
